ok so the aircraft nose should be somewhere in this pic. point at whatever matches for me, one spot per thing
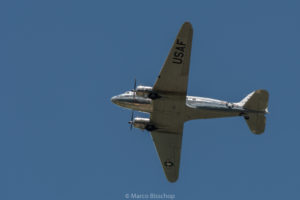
(114, 99)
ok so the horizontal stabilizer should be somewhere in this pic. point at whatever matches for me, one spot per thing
(256, 123)
(257, 100)
(256, 105)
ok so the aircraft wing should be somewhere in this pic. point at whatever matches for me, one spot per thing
(173, 77)
(168, 135)
(168, 147)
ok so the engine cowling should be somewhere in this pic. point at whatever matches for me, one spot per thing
(143, 91)
(143, 123)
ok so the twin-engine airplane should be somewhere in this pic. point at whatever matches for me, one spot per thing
(169, 106)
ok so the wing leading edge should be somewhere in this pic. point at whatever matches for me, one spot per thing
(173, 77)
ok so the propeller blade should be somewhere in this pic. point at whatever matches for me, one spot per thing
(134, 86)
(131, 116)
(134, 89)
(131, 121)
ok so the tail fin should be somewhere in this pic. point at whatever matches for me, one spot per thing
(256, 101)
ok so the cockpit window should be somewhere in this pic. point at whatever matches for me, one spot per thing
(127, 93)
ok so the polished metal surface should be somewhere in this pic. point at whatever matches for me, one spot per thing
(170, 107)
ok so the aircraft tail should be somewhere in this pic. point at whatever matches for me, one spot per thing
(257, 105)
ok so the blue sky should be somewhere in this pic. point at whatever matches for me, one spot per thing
(61, 61)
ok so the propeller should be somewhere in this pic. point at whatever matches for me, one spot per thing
(134, 89)
(134, 85)
(132, 113)
(131, 121)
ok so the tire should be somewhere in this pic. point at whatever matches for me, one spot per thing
(246, 117)
(150, 128)
(153, 96)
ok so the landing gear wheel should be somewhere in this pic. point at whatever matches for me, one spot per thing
(150, 127)
(153, 96)
(246, 117)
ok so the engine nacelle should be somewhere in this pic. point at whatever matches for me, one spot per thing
(143, 123)
(140, 123)
(143, 91)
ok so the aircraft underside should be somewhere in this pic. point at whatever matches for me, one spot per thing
(170, 107)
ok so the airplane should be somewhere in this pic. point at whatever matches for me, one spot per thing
(169, 106)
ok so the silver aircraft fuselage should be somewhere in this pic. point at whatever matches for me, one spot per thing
(196, 107)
